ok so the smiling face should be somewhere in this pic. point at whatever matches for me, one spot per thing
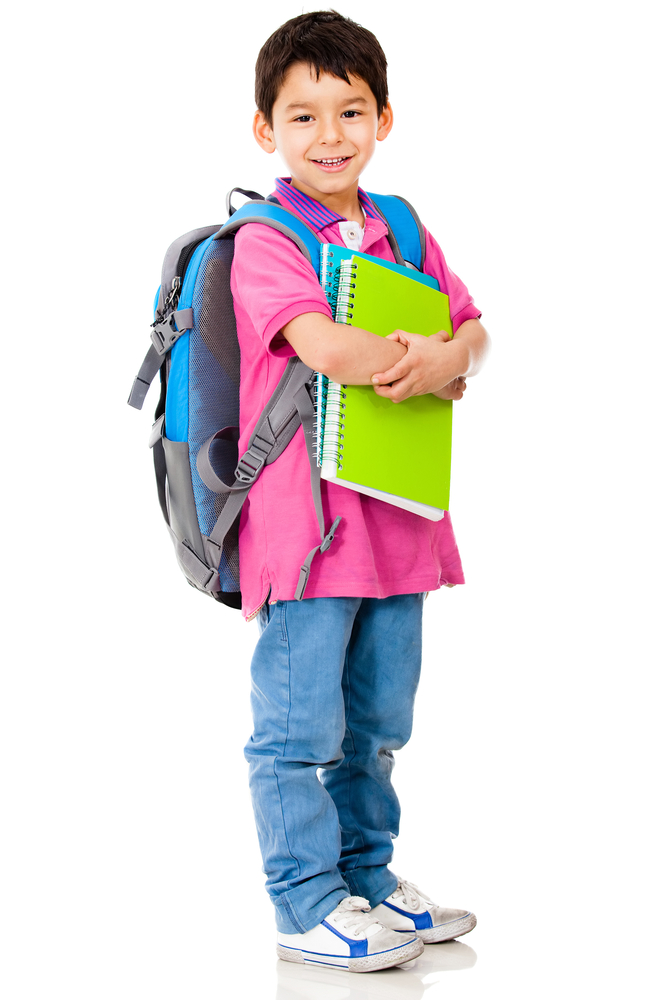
(325, 131)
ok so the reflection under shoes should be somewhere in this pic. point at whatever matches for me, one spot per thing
(407, 982)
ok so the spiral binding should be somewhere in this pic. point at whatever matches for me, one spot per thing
(345, 292)
(328, 275)
(338, 284)
(320, 390)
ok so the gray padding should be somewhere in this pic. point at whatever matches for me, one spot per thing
(172, 256)
(182, 508)
(273, 224)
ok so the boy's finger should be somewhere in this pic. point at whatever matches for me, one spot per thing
(397, 393)
(392, 375)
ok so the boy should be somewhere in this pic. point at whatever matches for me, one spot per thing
(335, 675)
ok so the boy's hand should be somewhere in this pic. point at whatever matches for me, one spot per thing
(453, 389)
(431, 365)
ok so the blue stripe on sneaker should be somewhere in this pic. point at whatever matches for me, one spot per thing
(422, 921)
(357, 949)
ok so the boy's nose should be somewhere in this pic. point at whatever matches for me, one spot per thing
(330, 134)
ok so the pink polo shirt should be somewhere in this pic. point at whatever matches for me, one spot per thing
(379, 550)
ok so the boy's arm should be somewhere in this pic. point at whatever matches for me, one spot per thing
(434, 364)
(414, 363)
(347, 354)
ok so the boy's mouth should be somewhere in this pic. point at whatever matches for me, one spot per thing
(332, 163)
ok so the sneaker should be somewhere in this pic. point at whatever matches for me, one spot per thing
(408, 910)
(350, 938)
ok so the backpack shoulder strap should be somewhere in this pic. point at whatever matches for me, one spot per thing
(278, 218)
(406, 232)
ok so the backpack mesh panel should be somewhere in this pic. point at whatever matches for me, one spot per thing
(214, 370)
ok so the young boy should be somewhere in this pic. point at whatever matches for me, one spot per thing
(335, 675)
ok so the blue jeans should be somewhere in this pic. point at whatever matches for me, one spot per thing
(333, 687)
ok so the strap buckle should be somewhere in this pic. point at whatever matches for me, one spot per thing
(250, 464)
(166, 329)
(164, 334)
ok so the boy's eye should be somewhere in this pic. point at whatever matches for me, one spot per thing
(303, 118)
(351, 114)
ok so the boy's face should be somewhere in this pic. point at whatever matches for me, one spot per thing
(325, 130)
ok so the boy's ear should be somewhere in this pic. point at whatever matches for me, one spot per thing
(385, 123)
(264, 133)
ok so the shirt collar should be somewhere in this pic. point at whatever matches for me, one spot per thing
(315, 214)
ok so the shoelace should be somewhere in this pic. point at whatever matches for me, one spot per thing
(411, 895)
(350, 914)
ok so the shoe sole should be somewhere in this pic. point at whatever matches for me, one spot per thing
(449, 931)
(368, 963)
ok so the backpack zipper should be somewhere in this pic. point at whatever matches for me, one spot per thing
(185, 258)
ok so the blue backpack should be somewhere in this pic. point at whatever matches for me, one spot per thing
(202, 482)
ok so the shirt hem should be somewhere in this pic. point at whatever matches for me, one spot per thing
(386, 588)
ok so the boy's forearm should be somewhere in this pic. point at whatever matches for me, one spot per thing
(473, 338)
(346, 354)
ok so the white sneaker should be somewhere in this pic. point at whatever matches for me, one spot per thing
(407, 910)
(350, 938)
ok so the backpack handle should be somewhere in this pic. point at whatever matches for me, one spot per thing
(253, 195)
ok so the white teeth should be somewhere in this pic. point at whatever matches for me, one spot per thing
(332, 163)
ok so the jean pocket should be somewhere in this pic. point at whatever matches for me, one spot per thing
(279, 610)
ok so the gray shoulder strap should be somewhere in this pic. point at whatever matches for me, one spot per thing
(289, 407)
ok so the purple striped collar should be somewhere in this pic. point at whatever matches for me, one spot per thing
(312, 211)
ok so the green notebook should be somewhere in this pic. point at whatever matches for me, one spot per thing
(332, 256)
(400, 452)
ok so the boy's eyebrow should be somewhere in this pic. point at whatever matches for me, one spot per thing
(295, 105)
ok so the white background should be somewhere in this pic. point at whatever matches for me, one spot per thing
(522, 137)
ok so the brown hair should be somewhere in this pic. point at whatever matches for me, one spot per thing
(329, 43)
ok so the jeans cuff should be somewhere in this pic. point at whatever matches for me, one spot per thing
(374, 883)
(303, 907)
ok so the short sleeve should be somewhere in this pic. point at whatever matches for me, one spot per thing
(272, 283)
(461, 304)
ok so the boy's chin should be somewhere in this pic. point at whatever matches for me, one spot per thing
(326, 182)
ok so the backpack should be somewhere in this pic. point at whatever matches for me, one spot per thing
(202, 482)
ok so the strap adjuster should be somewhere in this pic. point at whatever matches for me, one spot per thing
(326, 544)
(250, 464)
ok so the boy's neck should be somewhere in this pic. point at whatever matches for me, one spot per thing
(344, 203)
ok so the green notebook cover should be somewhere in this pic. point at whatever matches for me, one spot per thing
(332, 256)
(399, 448)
